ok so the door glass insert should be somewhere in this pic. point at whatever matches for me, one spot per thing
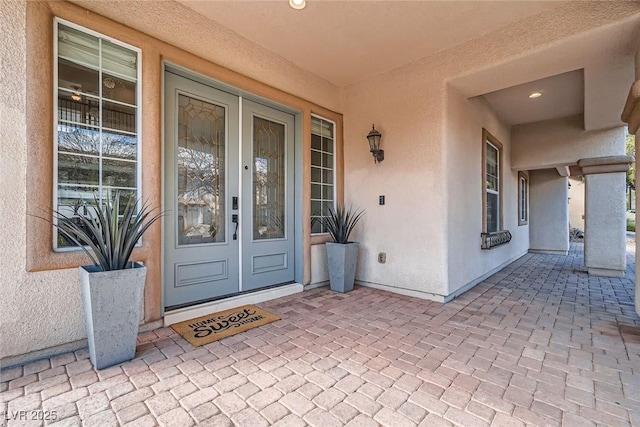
(268, 179)
(201, 172)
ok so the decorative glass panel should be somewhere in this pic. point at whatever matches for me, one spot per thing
(322, 170)
(96, 120)
(201, 171)
(268, 179)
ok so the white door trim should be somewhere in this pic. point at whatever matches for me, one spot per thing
(182, 314)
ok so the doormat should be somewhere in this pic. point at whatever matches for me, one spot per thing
(213, 327)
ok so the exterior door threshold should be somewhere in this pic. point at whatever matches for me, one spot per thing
(186, 313)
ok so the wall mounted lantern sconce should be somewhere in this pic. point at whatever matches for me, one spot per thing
(374, 145)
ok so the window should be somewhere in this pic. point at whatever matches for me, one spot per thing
(322, 170)
(523, 199)
(97, 150)
(492, 175)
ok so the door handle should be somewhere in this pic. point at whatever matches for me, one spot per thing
(234, 219)
(234, 203)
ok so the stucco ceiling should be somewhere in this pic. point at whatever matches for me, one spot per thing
(344, 42)
(347, 41)
(562, 96)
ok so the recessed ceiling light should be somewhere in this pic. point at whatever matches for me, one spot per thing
(535, 95)
(298, 4)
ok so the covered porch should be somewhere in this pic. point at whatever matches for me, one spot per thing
(539, 343)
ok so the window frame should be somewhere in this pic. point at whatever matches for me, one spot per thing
(489, 139)
(523, 185)
(334, 172)
(139, 128)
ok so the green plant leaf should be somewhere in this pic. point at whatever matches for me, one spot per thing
(103, 234)
(340, 222)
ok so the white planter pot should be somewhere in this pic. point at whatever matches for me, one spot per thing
(342, 260)
(112, 305)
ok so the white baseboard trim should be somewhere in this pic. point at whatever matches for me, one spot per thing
(437, 297)
(146, 327)
(605, 272)
(402, 291)
(21, 359)
(316, 285)
(182, 314)
(482, 278)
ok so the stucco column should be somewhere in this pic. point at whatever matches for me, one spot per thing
(548, 212)
(605, 218)
(631, 116)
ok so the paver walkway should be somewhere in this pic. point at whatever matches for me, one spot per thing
(540, 343)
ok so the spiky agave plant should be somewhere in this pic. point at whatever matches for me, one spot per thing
(340, 222)
(107, 237)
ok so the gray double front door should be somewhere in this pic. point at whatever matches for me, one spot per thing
(228, 192)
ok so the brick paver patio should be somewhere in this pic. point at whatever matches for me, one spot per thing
(539, 343)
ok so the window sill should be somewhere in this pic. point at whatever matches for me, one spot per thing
(494, 239)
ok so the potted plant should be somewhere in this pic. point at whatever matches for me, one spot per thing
(342, 255)
(113, 287)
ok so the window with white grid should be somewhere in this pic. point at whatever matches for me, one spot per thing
(322, 171)
(97, 120)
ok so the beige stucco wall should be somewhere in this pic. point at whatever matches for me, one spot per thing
(319, 269)
(549, 213)
(467, 262)
(409, 107)
(41, 310)
(560, 142)
(605, 223)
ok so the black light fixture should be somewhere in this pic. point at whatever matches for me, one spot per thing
(374, 145)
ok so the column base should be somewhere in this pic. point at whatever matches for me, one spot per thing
(605, 272)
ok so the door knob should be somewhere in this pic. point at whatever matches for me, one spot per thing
(234, 219)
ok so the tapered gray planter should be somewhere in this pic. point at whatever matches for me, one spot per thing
(112, 304)
(342, 260)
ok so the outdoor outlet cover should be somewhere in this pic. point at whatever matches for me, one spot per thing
(382, 257)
